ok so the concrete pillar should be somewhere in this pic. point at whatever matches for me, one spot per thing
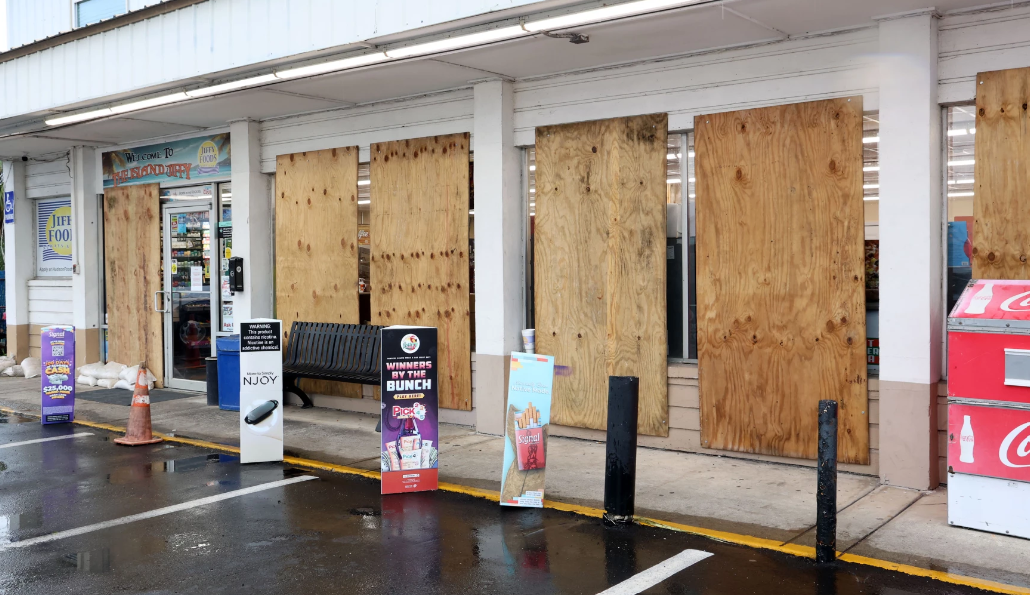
(251, 223)
(499, 231)
(19, 260)
(911, 306)
(86, 278)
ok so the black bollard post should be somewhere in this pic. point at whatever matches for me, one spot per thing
(826, 498)
(620, 469)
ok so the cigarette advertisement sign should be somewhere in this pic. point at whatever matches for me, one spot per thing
(54, 237)
(58, 375)
(410, 411)
(525, 430)
(261, 391)
(989, 441)
(189, 160)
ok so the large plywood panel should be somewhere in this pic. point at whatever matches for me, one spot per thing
(132, 268)
(420, 241)
(599, 258)
(1001, 227)
(781, 277)
(316, 251)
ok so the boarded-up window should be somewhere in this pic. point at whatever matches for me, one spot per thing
(132, 267)
(1001, 225)
(316, 251)
(599, 261)
(780, 277)
(420, 243)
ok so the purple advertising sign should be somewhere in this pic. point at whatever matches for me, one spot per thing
(58, 361)
(410, 409)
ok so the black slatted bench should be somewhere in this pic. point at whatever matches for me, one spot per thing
(329, 351)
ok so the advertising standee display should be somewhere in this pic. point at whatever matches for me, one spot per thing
(530, 383)
(261, 391)
(57, 355)
(410, 414)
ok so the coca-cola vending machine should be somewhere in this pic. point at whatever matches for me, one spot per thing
(989, 408)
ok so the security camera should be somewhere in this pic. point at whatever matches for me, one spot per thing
(24, 157)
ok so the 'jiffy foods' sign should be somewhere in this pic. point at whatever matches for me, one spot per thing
(410, 409)
(193, 159)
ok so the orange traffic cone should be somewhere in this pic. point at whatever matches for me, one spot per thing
(140, 430)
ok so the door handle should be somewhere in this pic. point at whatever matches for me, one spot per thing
(157, 309)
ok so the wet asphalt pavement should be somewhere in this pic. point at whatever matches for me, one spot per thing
(335, 534)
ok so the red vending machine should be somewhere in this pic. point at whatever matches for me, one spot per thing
(989, 408)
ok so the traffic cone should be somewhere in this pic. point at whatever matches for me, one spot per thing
(140, 430)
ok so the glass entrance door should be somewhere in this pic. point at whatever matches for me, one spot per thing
(188, 297)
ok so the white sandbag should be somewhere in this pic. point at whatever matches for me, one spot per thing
(31, 367)
(14, 371)
(86, 380)
(91, 370)
(129, 375)
(7, 362)
(112, 371)
(124, 384)
(107, 382)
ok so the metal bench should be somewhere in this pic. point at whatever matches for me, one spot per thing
(329, 351)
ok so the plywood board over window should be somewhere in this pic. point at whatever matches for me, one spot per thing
(316, 251)
(420, 242)
(781, 277)
(600, 265)
(1001, 227)
(132, 269)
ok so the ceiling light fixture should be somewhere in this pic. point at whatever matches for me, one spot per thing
(871, 198)
(364, 182)
(871, 168)
(152, 102)
(870, 139)
(100, 113)
(323, 67)
(234, 85)
(618, 11)
(961, 162)
(454, 43)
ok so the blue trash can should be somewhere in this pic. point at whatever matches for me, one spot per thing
(228, 372)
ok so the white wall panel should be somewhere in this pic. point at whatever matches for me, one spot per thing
(442, 113)
(43, 180)
(786, 72)
(212, 37)
(994, 40)
(50, 302)
(31, 20)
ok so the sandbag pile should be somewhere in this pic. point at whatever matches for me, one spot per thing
(30, 367)
(111, 375)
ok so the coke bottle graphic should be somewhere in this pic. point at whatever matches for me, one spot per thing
(978, 304)
(966, 441)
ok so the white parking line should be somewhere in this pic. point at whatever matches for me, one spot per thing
(37, 440)
(155, 513)
(657, 573)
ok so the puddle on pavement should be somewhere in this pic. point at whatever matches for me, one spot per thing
(91, 561)
(14, 418)
(366, 511)
(11, 524)
(128, 474)
(294, 472)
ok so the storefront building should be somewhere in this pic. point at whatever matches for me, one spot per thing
(812, 169)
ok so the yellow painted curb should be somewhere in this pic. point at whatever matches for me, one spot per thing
(803, 551)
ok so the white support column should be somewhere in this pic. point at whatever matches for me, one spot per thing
(911, 307)
(499, 224)
(251, 223)
(86, 281)
(19, 260)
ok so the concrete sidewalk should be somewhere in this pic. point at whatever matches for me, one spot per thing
(766, 500)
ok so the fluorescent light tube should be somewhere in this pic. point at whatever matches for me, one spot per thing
(870, 139)
(962, 162)
(959, 194)
(871, 168)
(324, 67)
(607, 13)
(453, 43)
(871, 198)
(870, 186)
(364, 182)
(364, 202)
(100, 113)
(673, 181)
(958, 132)
(224, 87)
(152, 102)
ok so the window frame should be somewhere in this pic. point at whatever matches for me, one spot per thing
(75, 13)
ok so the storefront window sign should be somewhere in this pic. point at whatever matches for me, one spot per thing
(192, 159)
(54, 237)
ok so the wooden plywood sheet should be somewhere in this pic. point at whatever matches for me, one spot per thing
(420, 241)
(316, 251)
(599, 260)
(132, 269)
(781, 277)
(1001, 226)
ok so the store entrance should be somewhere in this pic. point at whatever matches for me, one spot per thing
(188, 299)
